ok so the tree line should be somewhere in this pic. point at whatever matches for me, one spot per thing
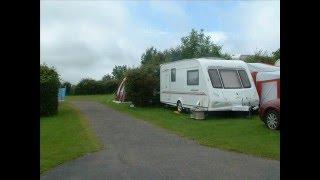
(88, 86)
(143, 82)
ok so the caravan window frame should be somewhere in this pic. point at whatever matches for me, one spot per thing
(221, 85)
(247, 78)
(193, 84)
(238, 75)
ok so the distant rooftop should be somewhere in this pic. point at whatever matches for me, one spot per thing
(240, 57)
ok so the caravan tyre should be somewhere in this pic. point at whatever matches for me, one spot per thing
(272, 119)
(179, 106)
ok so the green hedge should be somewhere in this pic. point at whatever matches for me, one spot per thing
(49, 85)
(89, 86)
(109, 86)
(141, 86)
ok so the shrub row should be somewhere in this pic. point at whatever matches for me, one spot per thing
(89, 86)
(49, 85)
(142, 86)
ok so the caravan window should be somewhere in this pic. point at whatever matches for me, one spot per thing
(173, 75)
(215, 80)
(244, 79)
(230, 79)
(193, 77)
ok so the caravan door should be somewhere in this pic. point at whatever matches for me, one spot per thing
(165, 85)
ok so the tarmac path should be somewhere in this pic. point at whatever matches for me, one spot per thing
(135, 149)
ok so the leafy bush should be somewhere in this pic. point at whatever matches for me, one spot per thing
(72, 90)
(118, 72)
(276, 54)
(49, 85)
(89, 86)
(86, 86)
(109, 86)
(141, 86)
(261, 56)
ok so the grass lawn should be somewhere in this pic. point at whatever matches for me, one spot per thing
(64, 137)
(228, 131)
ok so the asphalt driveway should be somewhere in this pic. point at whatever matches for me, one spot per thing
(135, 149)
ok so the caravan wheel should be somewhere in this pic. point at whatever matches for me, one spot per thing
(179, 107)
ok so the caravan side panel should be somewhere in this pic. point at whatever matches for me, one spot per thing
(174, 89)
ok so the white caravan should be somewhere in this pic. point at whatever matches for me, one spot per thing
(215, 85)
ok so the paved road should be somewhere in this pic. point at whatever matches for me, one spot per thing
(135, 149)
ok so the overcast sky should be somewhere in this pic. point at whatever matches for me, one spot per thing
(88, 38)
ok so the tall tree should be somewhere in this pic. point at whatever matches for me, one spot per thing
(119, 71)
(148, 55)
(173, 54)
(276, 54)
(197, 44)
(87, 86)
(107, 77)
(261, 56)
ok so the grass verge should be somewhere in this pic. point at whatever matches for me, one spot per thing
(64, 137)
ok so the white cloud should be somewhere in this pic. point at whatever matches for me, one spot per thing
(88, 38)
(84, 39)
(256, 25)
(217, 37)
